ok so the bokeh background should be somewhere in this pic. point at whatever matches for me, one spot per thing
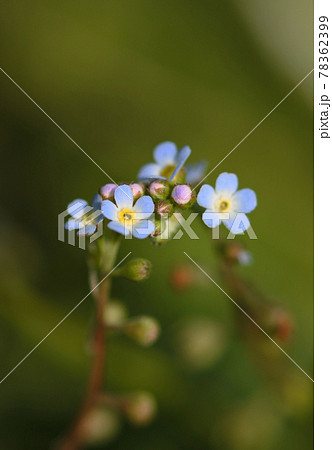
(120, 77)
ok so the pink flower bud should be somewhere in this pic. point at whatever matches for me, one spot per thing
(183, 195)
(159, 190)
(137, 190)
(107, 191)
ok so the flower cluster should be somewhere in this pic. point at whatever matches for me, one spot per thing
(163, 187)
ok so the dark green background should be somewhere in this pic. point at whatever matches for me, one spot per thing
(120, 77)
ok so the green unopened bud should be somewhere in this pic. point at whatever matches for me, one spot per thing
(137, 269)
(164, 208)
(144, 330)
(140, 408)
(100, 426)
(159, 189)
(115, 313)
(183, 196)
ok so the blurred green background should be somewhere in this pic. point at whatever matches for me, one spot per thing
(120, 77)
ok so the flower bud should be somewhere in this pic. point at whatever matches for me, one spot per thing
(140, 408)
(137, 190)
(159, 189)
(144, 330)
(200, 342)
(115, 313)
(164, 208)
(183, 196)
(182, 277)
(101, 425)
(235, 253)
(107, 191)
(280, 324)
(137, 269)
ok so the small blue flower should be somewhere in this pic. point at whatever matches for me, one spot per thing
(85, 218)
(195, 172)
(224, 203)
(168, 163)
(127, 218)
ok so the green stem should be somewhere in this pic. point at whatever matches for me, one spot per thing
(102, 258)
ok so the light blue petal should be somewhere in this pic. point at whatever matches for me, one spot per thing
(96, 201)
(123, 196)
(72, 224)
(118, 228)
(144, 206)
(99, 218)
(151, 170)
(211, 218)
(165, 153)
(181, 158)
(227, 182)
(195, 172)
(87, 230)
(109, 210)
(245, 200)
(206, 196)
(76, 208)
(237, 223)
(143, 228)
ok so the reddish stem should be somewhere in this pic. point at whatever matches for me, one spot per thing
(76, 434)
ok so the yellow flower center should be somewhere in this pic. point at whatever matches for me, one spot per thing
(88, 219)
(126, 216)
(167, 171)
(223, 205)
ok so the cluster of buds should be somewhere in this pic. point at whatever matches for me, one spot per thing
(103, 422)
(143, 329)
(167, 196)
(107, 191)
(138, 407)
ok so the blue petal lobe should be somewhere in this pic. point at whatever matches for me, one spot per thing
(123, 196)
(195, 172)
(181, 158)
(150, 170)
(109, 210)
(72, 224)
(227, 182)
(245, 200)
(96, 201)
(144, 207)
(206, 196)
(87, 230)
(165, 153)
(237, 223)
(143, 228)
(76, 208)
(118, 228)
(211, 218)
